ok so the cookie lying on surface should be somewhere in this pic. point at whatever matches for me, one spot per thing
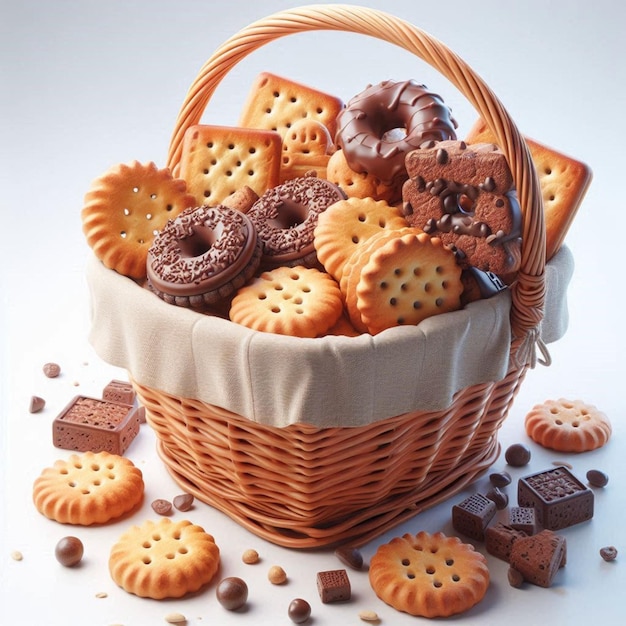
(91, 488)
(164, 559)
(429, 575)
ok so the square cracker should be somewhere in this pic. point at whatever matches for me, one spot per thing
(276, 103)
(216, 161)
(564, 182)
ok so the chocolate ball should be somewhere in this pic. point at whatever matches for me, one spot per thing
(232, 593)
(69, 551)
(299, 611)
(517, 455)
(597, 478)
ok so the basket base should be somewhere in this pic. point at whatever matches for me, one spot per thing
(359, 528)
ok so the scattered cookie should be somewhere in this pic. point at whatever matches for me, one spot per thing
(297, 301)
(164, 559)
(125, 208)
(429, 575)
(568, 425)
(91, 488)
(217, 161)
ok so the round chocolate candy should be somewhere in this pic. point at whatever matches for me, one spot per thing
(498, 497)
(517, 455)
(608, 553)
(597, 478)
(351, 557)
(299, 611)
(232, 593)
(500, 479)
(69, 551)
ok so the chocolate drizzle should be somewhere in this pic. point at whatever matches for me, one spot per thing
(366, 127)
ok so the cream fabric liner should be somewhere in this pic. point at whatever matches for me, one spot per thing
(330, 381)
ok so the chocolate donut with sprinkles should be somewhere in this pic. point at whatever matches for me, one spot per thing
(203, 256)
(286, 216)
(381, 125)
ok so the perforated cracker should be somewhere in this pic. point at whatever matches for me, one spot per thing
(564, 182)
(306, 147)
(217, 161)
(276, 103)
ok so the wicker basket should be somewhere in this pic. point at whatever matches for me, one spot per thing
(303, 486)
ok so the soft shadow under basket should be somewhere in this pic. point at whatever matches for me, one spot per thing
(315, 442)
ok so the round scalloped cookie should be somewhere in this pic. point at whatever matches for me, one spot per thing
(568, 425)
(90, 488)
(429, 575)
(125, 208)
(296, 301)
(164, 559)
(347, 224)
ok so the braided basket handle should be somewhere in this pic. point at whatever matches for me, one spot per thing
(529, 291)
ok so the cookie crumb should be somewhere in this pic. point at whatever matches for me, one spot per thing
(276, 575)
(16, 555)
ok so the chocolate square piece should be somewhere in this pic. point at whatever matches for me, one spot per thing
(333, 586)
(95, 425)
(558, 497)
(538, 558)
(499, 540)
(473, 515)
(119, 391)
(523, 518)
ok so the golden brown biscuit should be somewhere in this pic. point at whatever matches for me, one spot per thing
(306, 148)
(90, 488)
(564, 182)
(357, 184)
(276, 103)
(429, 575)
(216, 161)
(125, 208)
(347, 224)
(406, 279)
(297, 301)
(164, 559)
(568, 425)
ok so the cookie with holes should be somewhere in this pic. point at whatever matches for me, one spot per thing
(125, 208)
(297, 301)
(568, 425)
(429, 575)
(164, 559)
(90, 488)
(464, 195)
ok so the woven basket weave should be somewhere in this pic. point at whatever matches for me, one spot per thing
(302, 486)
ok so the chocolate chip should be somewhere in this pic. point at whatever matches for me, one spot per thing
(299, 611)
(517, 455)
(608, 553)
(499, 498)
(69, 551)
(442, 156)
(597, 478)
(515, 578)
(36, 404)
(351, 557)
(500, 479)
(232, 593)
(183, 502)
(51, 370)
(161, 507)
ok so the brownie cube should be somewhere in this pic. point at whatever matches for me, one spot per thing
(499, 540)
(333, 586)
(95, 425)
(473, 515)
(523, 518)
(119, 391)
(558, 497)
(538, 558)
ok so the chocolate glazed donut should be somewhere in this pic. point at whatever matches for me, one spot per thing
(379, 126)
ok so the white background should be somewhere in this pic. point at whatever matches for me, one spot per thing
(89, 84)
